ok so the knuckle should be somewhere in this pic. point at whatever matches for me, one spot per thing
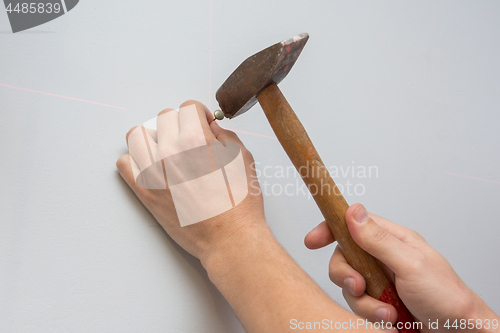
(164, 111)
(189, 102)
(247, 155)
(234, 137)
(418, 235)
(230, 133)
(379, 235)
(136, 135)
(121, 163)
(335, 274)
(417, 264)
(130, 132)
(333, 277)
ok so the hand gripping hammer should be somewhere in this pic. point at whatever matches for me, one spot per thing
(255, 80)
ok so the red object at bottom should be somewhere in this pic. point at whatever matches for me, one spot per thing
(405, 322)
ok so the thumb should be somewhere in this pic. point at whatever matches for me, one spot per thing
(377, 241)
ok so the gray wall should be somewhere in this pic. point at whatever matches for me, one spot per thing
(411, 88)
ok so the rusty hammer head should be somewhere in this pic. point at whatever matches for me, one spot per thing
(239, 92)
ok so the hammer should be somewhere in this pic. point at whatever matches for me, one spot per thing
(255, 80)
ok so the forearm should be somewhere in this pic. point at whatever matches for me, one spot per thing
(266, 288)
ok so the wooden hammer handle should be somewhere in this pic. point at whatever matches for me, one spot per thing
(299, 148)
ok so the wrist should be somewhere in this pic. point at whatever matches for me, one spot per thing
(485, 320)
(474, 316)
(230, 250)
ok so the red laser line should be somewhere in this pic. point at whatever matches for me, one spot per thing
(55, 95)
(261, 135)
(471, 177)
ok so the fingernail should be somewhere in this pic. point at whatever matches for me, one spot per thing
(382, 314)
(386, 330)
(350, 283)
(360, 215)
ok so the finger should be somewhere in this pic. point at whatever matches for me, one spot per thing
(209, 116)
(136, 171)
(141, 146)
(344, 276)
(376, 240)
(125, 165)
(225, 135)
(167, 124)
(193, 121)
(404, 234)
(370, 308)
(319, 237)
(153, 133)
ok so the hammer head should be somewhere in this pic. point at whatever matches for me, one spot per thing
(239, 92)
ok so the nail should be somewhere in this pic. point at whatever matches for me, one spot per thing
(360, 215)
(350, 283)
(383, 314)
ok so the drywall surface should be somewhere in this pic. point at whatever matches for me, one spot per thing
(407, 91)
